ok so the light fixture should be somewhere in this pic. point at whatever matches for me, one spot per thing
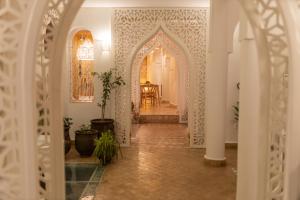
(86, 50)
(103, 40)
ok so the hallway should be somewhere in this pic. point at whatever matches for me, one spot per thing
(160, 166)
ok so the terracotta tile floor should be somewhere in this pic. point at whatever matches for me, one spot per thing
(160, 166)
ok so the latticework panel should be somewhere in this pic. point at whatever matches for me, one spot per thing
(189, 25)
(160, 39)
(48, 34)
(268, 18)
(11, 16)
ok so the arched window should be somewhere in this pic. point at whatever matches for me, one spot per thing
(82, 66)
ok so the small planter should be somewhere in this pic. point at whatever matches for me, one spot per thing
(102, 125)
(84, 141)
(106, 147)
(67, 140)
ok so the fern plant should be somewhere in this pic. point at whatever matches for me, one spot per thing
(106, 147)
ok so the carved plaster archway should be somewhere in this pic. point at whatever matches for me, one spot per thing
(188, 28)
(16, 71)
(160, 39)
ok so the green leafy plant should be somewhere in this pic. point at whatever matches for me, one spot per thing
(106, 147)
(85, 127)
(68, 121)
(109, 82)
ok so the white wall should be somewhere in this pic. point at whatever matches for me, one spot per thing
(233, 48)
(98, 21)
(170, 82)
(173, 82)
(233, 77)
(249, 150)
(155, 67)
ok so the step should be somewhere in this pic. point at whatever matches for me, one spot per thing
(171, 119)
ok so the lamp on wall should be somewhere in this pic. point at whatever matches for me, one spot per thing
(104, 41)
(105, 46)
(86, 50)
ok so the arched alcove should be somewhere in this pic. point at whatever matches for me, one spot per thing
(82, 66)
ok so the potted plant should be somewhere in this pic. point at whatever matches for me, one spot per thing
(84, 140)
(109, 82)
(67, 125)
(106, 147)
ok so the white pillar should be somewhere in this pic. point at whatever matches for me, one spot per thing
(249, 148)
(216, 84)
(292, 182)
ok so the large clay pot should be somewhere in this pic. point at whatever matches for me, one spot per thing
(67, 140)
(84, 141)
(102, 125)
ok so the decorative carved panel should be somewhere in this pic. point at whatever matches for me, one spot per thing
(188, 25)
(267, 17)
(44, 61)
(11, 15)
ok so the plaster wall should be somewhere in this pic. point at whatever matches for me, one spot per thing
(98, 21)
(233, 77)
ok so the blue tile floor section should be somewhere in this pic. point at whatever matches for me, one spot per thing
(82, 180)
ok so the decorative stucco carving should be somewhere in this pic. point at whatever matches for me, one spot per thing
(187, 25)
(44, 62)
(11, 15)
(267, 18)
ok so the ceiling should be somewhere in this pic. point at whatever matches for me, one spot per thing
(146, 3)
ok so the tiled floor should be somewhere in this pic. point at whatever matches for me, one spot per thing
(160, 166)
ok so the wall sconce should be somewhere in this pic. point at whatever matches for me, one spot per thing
(105, 46)
(104, 41)
(86, 51)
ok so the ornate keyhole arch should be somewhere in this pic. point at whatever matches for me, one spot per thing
(161, 39)
(191, 38)
(265, 16)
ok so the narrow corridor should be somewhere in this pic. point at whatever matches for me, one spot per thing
(159, 165)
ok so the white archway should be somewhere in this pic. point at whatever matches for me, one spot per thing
(161, 39)
(192, 39)
(20, 66)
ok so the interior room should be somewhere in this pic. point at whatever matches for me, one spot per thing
(149, 100)
(159, 83)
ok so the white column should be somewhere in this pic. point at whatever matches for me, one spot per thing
(292, 181)
(216, 84)
(249, 150)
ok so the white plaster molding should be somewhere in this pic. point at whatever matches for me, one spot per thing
(144, 3)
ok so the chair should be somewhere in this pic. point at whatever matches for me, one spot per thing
(148, 92)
